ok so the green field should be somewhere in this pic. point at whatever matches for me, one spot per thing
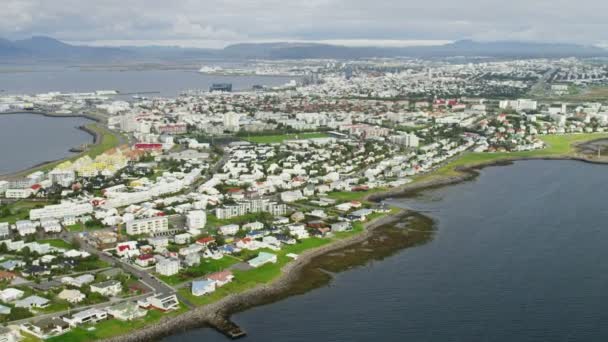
(346, 196)
(557, 145)
(245, 280)
(275, 139)
(20, 210)
(113, 327)
(57, 243)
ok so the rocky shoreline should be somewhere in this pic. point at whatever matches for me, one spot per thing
(216, 314)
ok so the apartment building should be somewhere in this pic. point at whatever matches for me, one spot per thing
(148, 226)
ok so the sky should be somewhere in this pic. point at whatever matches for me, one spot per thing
(217, 23)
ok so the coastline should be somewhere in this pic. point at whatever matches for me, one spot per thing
(97, 141)
(217, 315)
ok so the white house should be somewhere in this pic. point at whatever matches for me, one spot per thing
(72, 296)
(87, 316)
(230, 229)
(126, 311)
(108, 288)
(202, 287)
(164, 302)
(148, 226)
(32, 302)
(168, 267)
(262, 259)
(10, 294)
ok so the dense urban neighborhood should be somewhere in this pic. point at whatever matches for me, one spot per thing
(184, 201)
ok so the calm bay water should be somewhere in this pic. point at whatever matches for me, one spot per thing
(29, 139)
(520, 255)
(168, 83)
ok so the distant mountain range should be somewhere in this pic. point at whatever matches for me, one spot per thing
(45, 49)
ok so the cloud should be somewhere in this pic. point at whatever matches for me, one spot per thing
(225, 21)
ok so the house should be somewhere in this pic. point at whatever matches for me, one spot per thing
(72, 296)
(182, 239)
(253, 226)
(341, 227)
(32, 302)
(221, 278)
(46, 328)
(25, 227)
(164, 302)
(159, 243)
(10, 265)
(192, 259)
(262, 259)
(126, 311)
(7, 276)
(79, 281)
(168, 267)
(9, 335)
(360, 215)
(145, 260)
(127, 248)
(4, 230)
(36, 271)
(86, 316)
(4, 310)
(50, 225)
(108, 288)
(205, 241)
(10, 295)
(230, 229)
(202, 287)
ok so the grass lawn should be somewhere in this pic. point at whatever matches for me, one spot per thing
(113, 327)
(244, 280)
(558, 145)
(346, 196)
(20, 210)
(58, 243)
(80, 227)
(274, 139)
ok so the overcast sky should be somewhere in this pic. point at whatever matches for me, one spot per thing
(215, 23)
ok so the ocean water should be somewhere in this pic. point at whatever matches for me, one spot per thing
(29, 139)
(519, 255)
(165, 83)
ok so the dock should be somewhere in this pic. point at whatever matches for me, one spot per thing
(228, 328)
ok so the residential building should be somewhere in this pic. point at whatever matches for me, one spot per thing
(164, 302)
(60, 211)
(108, 288)
(32, 302)
(86, 316)
(10, 294)
(262, 259)
(221, 278)
(196, 220)
(126, 311)
(79, 281)
(253, 206)
(202, 287)
(229, 229)
(72, 296)
(148, 226)
(168, 267)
